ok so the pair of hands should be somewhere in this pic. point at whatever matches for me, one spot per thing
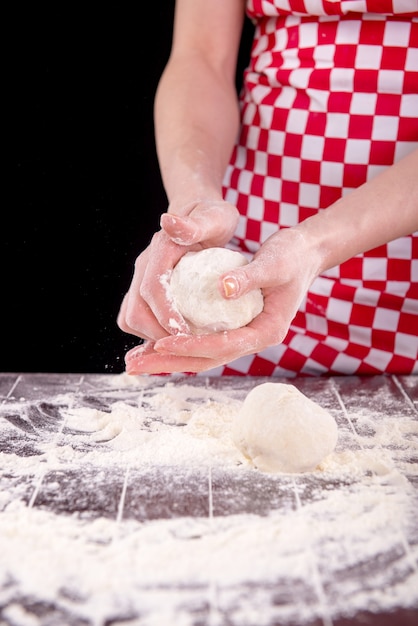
(281, 268)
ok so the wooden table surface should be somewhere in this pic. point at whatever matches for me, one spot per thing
(123, 502)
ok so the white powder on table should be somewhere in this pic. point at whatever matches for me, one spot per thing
(112, 566)
(354, 513)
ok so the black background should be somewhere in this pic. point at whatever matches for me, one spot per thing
(86, 193)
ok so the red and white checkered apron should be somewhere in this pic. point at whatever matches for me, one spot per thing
(330, 99)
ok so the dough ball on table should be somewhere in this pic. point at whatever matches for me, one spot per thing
(281, 430)
(194, 290)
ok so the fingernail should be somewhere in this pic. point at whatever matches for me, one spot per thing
(230, 286)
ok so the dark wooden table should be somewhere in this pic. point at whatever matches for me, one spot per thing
(152, 519)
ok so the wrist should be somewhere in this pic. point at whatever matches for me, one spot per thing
(310, 251)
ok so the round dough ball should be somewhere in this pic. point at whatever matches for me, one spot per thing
(281, 430)
(194, 290)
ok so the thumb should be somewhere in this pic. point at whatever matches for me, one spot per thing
(210, 223)
(240, 281)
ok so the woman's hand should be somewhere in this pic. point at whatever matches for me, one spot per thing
(284, 268)
(146, 310)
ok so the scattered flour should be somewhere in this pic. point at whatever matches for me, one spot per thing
(341, 539)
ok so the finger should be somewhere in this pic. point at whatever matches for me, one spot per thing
(240, 281)
(197, 353)
(154, 287)
(140, 351)
(144, 360)
(268, 328)
(121, 318)
(223, 346)
(184, 231)
(136, 316)
(213, 224)
(121, 321)
(283, 262)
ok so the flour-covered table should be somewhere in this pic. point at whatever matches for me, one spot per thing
(124, 501)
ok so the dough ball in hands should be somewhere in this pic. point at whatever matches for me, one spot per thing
(281, 430)
(194, 290)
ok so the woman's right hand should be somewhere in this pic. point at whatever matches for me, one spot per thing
(146, 310)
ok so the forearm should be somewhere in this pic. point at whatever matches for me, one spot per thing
(196, 123)
(377, 212)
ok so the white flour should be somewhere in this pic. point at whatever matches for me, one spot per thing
(347, 541)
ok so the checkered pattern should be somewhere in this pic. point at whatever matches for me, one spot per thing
(330, 99)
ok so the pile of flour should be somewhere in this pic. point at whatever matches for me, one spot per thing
(171, 424)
